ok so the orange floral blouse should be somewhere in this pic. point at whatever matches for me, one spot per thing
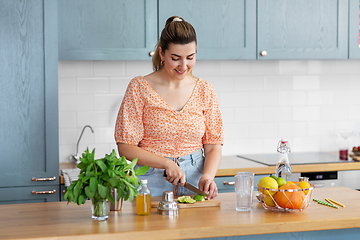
(146, 120)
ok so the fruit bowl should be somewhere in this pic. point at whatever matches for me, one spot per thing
(356, 153)
(286, 200)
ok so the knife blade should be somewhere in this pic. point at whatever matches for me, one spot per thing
(192, 188)
(195, 189)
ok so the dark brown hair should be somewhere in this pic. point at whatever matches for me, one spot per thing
(176, 31)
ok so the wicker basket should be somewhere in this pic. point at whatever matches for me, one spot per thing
(289, 199)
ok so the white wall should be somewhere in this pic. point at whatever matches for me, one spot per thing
(307, 102)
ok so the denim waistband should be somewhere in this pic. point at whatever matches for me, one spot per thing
(189, 156)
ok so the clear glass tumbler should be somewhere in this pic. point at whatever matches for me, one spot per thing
(244, 189)
(100, 209)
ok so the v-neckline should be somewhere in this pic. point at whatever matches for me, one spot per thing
(164, 102)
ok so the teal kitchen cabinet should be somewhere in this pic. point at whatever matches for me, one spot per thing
(302, 29)
(354, 29)
(107, 29)
(227, 183)
(225, 29)
(29, 144)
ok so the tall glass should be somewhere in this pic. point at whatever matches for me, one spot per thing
(244, 188)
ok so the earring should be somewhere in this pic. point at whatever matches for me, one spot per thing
(162, 63)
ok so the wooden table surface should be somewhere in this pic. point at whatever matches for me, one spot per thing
(57, 220)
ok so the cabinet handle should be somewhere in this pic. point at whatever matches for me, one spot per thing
(263, 53)
(44, 192)
(43, 179)
(151, 53)
(229, 183)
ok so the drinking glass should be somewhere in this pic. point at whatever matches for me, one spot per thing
(344, 134)
(244, 188)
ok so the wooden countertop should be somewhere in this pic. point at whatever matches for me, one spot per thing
(57, 220)
(231, 165)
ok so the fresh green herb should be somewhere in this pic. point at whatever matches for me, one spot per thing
(98, 177)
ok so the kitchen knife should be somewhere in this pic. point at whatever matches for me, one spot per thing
(195, 189)
(192, 188)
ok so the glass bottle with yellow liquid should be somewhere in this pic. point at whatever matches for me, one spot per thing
(143, 199)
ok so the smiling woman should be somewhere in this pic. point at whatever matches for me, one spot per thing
(170, 120)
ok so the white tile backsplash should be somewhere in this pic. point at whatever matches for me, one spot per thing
(306, 113)
(320, 98)
(293, 67)
(306, 82)
(92, 85)
(93, 118)
(305, 101)
(109, 69)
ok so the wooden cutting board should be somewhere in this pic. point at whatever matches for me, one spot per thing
(207, 203)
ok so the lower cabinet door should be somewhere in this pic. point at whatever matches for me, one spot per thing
(34, 194)
(227, 184)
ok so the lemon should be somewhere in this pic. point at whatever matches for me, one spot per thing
(269, 201)
(281, 181)
(199, 198)
(304, 185)
(268, 182)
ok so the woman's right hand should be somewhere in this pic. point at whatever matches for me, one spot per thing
(174, 174)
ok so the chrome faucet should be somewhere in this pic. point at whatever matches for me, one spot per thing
(76, 157)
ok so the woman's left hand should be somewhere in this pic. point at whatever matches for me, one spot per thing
(209, 186)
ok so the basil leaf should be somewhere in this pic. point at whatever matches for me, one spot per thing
(101, 164)
(102, 190)
(131, 165)
(110, 197)
(93, 185)
(90, 194)
(114, 181)
(142, 170)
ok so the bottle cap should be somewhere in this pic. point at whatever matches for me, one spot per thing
(144, 181)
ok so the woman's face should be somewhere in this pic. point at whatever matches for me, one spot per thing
(179, 59)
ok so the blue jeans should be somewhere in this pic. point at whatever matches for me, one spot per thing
(192, 165)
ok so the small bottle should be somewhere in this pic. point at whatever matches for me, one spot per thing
(283, 168)
(143, 199)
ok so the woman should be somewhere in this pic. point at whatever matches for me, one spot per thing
(170, 120)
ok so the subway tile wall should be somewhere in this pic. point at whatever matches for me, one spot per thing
(307, 102)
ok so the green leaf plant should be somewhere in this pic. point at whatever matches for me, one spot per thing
(98, 177)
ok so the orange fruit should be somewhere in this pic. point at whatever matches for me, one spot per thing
(293, 200)
(290, 182)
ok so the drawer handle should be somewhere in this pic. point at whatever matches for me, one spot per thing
(263, 53)
(43, 179)
(229, 183)
(44, 192)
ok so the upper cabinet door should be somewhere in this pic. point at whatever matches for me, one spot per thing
(225, 29)
(29, 133)
(302, 29)
(107, 29)
(354, 29)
